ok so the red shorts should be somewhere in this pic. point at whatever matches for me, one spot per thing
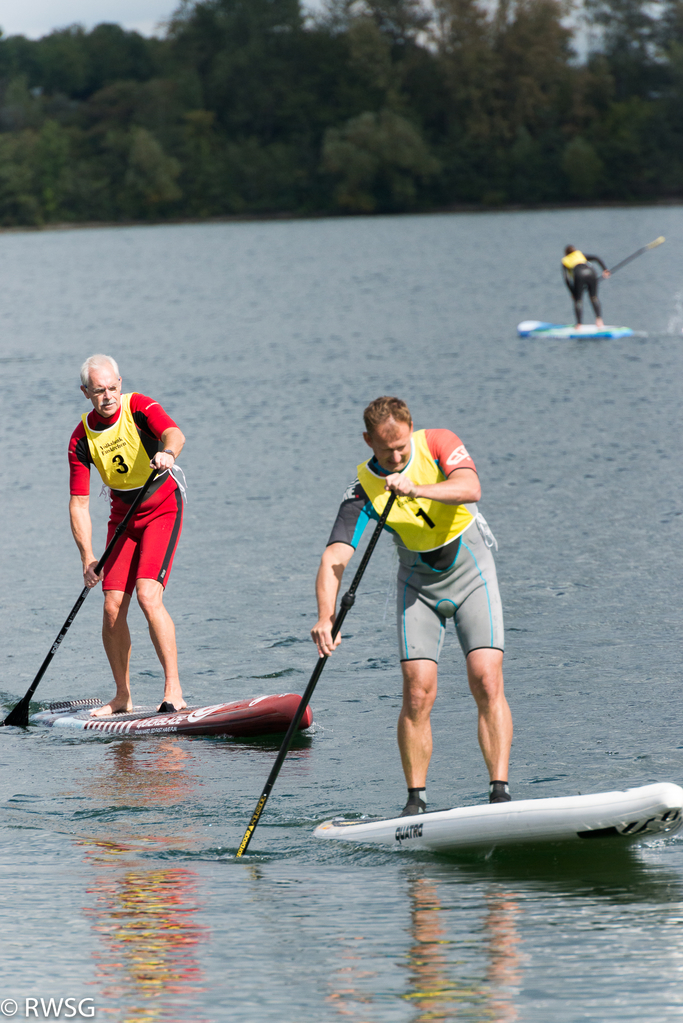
(147, 546)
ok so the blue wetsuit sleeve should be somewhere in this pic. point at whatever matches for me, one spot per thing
(354, 513)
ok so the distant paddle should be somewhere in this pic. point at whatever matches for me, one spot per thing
(347, 602)
(19, 715)
(651, 245)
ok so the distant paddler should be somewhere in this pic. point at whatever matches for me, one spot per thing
(446, 570)
(579, 274)
(124, 437)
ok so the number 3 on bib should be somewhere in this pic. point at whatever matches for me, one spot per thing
(117, 452)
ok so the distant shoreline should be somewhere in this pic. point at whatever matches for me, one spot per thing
(241, 218)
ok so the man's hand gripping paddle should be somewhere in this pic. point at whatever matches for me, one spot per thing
(345, 605)
(650, 245)
(19, 715)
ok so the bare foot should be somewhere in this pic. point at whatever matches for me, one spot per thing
(113, 707)
(173, 694)
(599, 322)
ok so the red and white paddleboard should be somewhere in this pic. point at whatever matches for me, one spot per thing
(261, 715)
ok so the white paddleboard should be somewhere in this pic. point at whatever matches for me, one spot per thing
(652, 811)
(539, 328)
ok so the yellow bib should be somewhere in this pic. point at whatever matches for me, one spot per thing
(573, 259)
(118, 452)
(420, 524)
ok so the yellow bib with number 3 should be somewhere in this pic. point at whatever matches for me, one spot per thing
(118, 452)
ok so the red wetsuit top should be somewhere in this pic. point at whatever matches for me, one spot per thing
(151, 421)
(148, 545)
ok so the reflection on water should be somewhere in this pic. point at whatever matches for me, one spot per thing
(144, 917)
(504, 972)
(448, 977)
(473, 930)
(604, 872)
(440, 985)
(154, 774)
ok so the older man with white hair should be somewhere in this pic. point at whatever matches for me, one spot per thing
(124, 437)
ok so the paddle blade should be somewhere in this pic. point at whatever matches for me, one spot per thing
(18, 716)
(656, 242)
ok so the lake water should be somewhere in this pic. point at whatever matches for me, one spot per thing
(265, 341)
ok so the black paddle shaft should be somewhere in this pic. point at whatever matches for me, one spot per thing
(628, 259)
(651, 245)
(346, 604)
(19, 715)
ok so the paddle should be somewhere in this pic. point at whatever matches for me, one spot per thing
(651, 245)
(19, 715)
(347, 602)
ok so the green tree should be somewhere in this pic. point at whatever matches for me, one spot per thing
(583, 167)
(150, 181)
(117, 55)
(18, 202)
(623, 138)
(631, 33)
(507, 75)
(62, 62)
(19, 109)
(240, 49)
(399, 21)
(51, 168)
(378, 159)
(17, 58)
(533, 49)
(463, 33)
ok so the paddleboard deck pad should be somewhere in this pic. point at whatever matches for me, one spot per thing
(649, 812)
(261, 715)
(539, 328)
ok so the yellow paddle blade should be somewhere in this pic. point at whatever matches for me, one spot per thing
(657, 241)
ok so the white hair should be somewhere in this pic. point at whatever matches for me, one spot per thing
(94, 362)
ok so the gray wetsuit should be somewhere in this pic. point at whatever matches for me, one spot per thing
(456, 581)
(467, 592)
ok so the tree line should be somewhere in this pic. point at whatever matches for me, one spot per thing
(259, 107)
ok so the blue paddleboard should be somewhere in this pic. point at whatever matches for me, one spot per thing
(538, 328)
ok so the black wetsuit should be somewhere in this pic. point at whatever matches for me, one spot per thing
(584, 276)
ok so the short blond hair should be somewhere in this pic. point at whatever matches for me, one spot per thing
(381, 409)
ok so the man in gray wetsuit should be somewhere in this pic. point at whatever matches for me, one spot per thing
(446, 570)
